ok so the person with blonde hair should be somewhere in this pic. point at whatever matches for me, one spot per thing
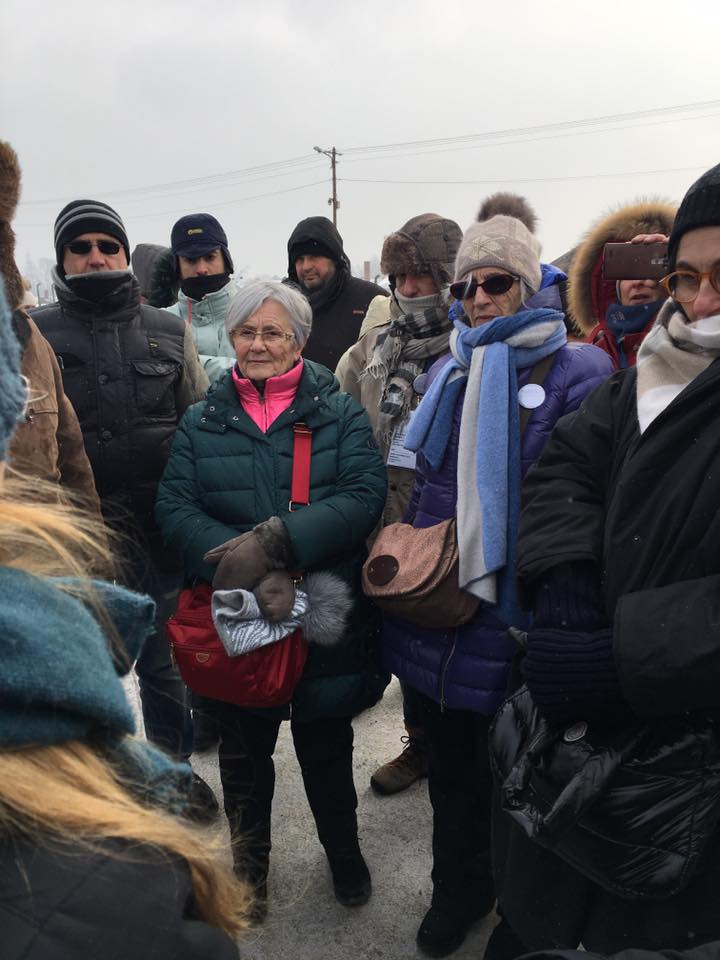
(93, 862)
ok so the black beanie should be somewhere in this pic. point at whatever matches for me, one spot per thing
(87, 216)
(700, 208)
(313, 248)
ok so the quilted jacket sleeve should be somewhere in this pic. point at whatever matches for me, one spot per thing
(338, 525)
(186, 528)
(563, 515)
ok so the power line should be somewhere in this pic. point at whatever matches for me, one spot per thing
(543, 127)
(307, 162)
(224, 203)
(564, 179)
(292, 165)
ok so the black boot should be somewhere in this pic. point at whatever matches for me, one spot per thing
(351, 877)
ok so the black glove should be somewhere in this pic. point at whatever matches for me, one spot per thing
(569, 597)
(245, 560)
(571, 675)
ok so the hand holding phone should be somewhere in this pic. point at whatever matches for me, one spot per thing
(636, 260)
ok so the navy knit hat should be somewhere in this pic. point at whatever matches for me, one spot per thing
(197, 234)
(87, 216)
(13, 392)
(700, 208)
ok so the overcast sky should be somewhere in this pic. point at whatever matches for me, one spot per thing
(120, 101)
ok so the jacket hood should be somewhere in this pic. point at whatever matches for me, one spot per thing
(143, 260)
(589, 295)
(9, 196)
(320, 230)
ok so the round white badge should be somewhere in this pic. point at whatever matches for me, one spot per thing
(531, 396)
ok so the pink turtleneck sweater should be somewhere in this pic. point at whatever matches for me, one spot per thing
(278, 395)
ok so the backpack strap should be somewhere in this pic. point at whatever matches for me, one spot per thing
(537, 375)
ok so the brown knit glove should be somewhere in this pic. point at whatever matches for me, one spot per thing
(245, 560)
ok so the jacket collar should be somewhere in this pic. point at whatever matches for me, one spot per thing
(212, 308)
(121, 303)
(223, 408)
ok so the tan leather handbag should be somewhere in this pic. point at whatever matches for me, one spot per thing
(412, 573)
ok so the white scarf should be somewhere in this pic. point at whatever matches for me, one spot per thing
(670, 357)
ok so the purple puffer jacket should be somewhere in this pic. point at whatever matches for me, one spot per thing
(465, 668)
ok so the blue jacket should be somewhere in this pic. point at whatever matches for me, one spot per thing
(466, 668)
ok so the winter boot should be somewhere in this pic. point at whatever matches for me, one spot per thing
(412, 764)
(351, 877)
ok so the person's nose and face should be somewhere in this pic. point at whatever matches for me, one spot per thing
(313, 272)
(699, 251)
(208, 265)
(411, 285)
(93, 253)
(485, 306)
(635, 292)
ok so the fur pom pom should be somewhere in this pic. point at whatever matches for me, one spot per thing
(508, 205)
(329, 606)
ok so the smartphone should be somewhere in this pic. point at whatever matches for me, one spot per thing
(635, 261)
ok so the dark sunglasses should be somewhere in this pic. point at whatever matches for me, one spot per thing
(493, 286)
(83, 247)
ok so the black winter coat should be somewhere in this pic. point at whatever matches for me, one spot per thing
(645, 510)
(126, 904)
(129, 375)
(340, 306)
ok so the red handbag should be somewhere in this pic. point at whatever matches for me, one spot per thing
(266, 677)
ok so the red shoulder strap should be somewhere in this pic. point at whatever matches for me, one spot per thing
(302, 449)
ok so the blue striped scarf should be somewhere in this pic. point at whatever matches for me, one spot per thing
(485, 363)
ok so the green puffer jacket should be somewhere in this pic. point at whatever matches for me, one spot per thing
(225, 475)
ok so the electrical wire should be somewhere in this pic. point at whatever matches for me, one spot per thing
(564, 179)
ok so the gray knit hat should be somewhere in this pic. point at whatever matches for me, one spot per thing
(87, 216)
(427, 243)
(503, 242)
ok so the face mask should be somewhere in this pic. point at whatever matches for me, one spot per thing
(95, 285)
(197, 287)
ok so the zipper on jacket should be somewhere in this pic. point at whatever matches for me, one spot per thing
(443, 672)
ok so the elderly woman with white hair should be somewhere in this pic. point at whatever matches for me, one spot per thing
(230, 473)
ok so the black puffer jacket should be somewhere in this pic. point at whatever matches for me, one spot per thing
(74, 904)
(644, 509)
(340, 306)
(130, 371)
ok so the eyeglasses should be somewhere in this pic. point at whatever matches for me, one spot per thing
(493, 286)
(684, 285)
(267, 336)
(83, 247)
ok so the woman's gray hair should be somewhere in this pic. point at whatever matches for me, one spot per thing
(251, 297)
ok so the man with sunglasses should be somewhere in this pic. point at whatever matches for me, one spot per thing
(130, 371)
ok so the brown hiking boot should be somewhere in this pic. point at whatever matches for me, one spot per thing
(399, 774)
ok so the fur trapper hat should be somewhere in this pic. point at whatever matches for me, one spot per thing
(427, 243)
(503, 242)
(9, 196)
(589, 295)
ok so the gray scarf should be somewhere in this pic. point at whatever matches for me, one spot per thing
(420, 328)
(670, 357)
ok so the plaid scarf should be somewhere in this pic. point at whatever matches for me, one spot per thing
(670, 357)
(420, 328)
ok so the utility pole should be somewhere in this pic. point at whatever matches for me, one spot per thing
(333, 201)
